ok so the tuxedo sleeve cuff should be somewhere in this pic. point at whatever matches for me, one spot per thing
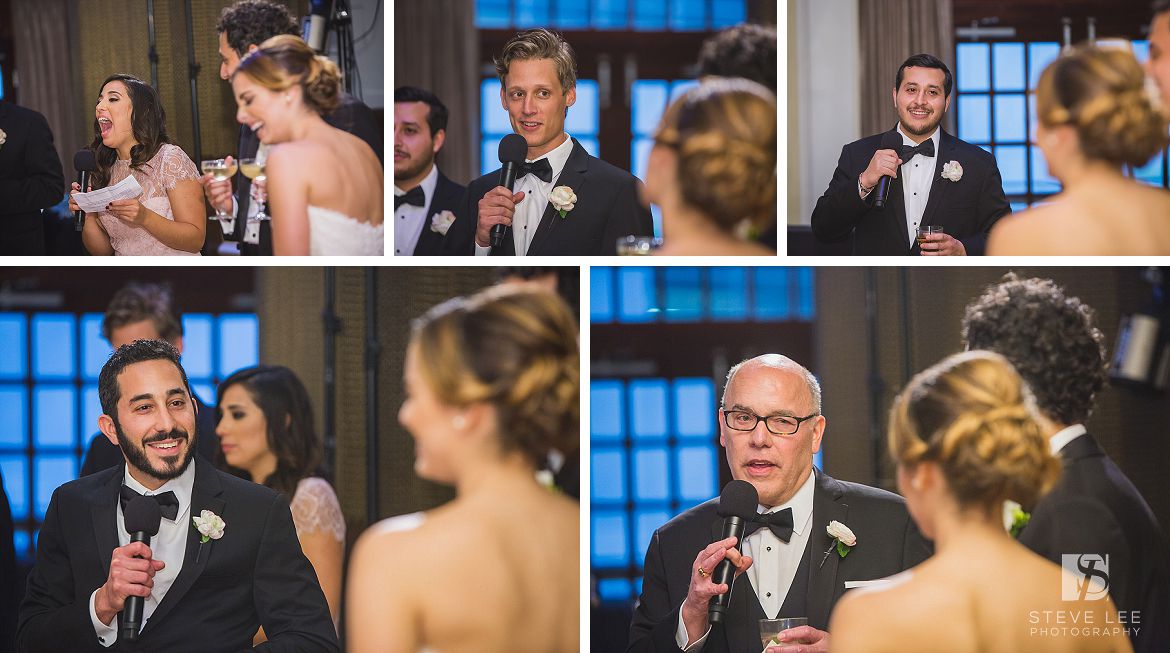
(106, 635)
(482, 251)
(680, 636)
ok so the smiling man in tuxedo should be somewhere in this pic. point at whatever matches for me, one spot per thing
(936, 179)
(770, 424)
(200, 593)
(538, 79)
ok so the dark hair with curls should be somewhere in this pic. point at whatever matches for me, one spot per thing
(136, 302)
(282, 398)
(1161, 6)
(138, 351)
(286, 61)
(926, 61)
(436, 114)
(971, 415)
(252, 22)
(747, 50)
(514, 348)
(148, 122)
(724, 133)
(1102, 94)
(1050, 339)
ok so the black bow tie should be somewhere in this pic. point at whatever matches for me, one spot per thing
(925, 148)
(413, 196)
(168, 503)
(541, 168)
(779, 522)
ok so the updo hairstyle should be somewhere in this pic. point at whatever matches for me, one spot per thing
(284, 61)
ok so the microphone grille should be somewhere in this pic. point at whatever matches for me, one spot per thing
(513, 147)
(738, 499)
(84, 161)
(142, 514)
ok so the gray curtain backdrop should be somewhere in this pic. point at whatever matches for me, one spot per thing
(892, 31)
(436, 47)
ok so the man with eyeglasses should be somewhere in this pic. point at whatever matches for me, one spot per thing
(770, 425)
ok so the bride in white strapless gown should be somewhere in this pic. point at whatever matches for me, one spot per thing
(334, 234)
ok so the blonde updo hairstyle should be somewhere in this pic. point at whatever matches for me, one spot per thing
(284, 61)
(1101, 92)
(514, 348)
(724, 135)
(972, 415)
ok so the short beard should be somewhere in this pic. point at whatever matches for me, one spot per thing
(927, 131)
(136, 455)
(415, 170)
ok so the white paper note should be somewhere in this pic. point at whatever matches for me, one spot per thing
(97, 200)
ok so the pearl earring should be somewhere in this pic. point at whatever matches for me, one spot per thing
(287, 98)
(459, 422)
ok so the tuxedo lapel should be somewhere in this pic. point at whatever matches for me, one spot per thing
(105, 519)
(822, 582)
(939, 186)
(743, 612)
(573, 176)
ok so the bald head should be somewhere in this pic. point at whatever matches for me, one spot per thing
(779, 362)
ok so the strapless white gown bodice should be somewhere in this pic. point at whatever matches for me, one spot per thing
(336, 234)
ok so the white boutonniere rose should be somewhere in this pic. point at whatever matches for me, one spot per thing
(441, 222)
(3, 137)
(210, 526)
(843, 539)
(1014, 518)
(952, 171)
(563, 199)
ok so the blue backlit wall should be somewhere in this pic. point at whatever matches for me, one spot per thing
(49, 366)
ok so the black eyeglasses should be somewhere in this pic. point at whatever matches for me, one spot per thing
(741, 420)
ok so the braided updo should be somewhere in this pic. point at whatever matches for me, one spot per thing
(971, 414)
(516, 349)
(724, 133)
(1102, 93)
(284, 61)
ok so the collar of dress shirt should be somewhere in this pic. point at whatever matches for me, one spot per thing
(557, 157)
(801, 504)
(428, 186)
(1061, 438)
(936, 137)
(182, 485)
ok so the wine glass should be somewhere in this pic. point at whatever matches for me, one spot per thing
(253, 168)
(220, 170)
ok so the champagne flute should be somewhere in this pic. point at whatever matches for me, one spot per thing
(220, 171)
(253, 168)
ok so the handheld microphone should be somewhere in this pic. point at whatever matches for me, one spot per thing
(513, 147)
(737, 505)
(84, 163)
(890, 141)
(141, 516)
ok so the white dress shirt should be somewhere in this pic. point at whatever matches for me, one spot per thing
(410, 220)
(1061, 438)
(536, 191)
(169, 545)
(917, 177)
(774, 562)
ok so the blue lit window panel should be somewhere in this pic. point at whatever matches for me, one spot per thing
(636, 295)
(698, 477)
(601, 300)
(694, 408)
(591, 145)
(678, 87)
(648, 102)
(611, 539)
(492, 14)
(975, 118)
(12, 355)
(640, 156)
(772, 301)
(606, 420)
(568, 14)
(615, 590)
(651, 474)
(608, 472)
(493, 116)
(648, 399)
(95, 349)
(197, 334)
(53, 346)
(239, 342)
(1009, 119)
(728, 295)
(1009, 66)
(683, 293)
(91, 410)
(806, 293)
(725, 13)
(51, 472)
(584, 115)
(15, 471)
(1019, 206)
(1151, 173)
(1141, 51)
(530, 13)
(13, 415)
(22, 542)
(489, 155)
(819, 460)
(645, 523)
(206, 393)
(649, 15)
(54, 416)
(1040, 55)
(973, 72)
(1042, 181)
(611, 14)
(687, 16)
(1013, 166)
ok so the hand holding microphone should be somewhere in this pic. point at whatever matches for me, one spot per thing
(499, 205)
(717, 566)
(132, 570)
(882, 168)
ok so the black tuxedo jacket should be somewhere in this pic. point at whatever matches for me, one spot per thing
(1095, 509)
(30, 179)
(887, 542)
(607, 209)
(255, 575)
(352, 116)
(447, 197)
(966, 209)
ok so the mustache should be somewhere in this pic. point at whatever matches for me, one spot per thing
(173, 434)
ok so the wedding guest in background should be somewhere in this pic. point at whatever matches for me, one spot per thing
(712, 169)
(747, 51)
(9, 580)
(242, 27)
(492, 386)
(131, 140)
(1158, 65)
(965, 441)
(425, 200)
(1096, 116)
(30, 179)
(265, 430)
(334, 206)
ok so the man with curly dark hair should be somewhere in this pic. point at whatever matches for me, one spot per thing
(747, 50)
(1051, 339)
